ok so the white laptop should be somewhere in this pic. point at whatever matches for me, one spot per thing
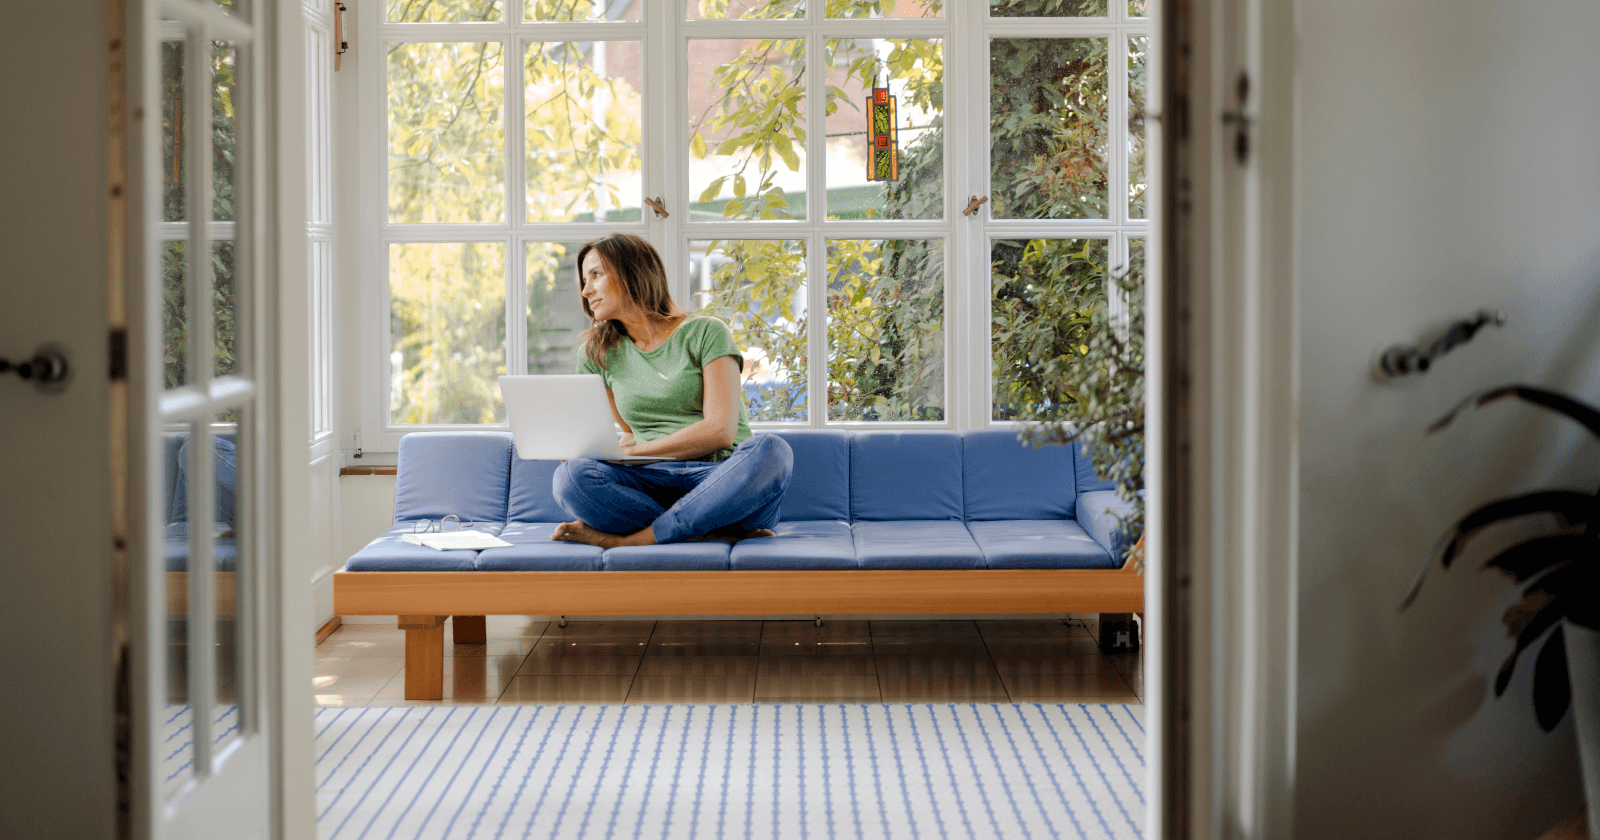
(555, 417)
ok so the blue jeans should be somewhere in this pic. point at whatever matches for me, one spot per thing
(680, 499)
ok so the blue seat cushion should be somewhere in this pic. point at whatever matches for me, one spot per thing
(905, 475)
(533, 551)
(671, 557)
(916, 544)
(820, 486)
(175, 550)
(530, 498)
(463, 473)
(1005, 478)
(826, 544)
(388, 553)
(1038, 544)
(222, 473)
(1099, 511)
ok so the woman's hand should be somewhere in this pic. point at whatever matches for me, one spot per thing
(628, 443)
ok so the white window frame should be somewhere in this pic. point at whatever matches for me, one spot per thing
(965, 31)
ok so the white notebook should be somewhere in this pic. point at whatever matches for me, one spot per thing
(456, 540)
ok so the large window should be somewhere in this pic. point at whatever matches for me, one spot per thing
(857, 286)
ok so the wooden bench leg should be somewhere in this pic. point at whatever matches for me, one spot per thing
(470, 629)
(424, 656)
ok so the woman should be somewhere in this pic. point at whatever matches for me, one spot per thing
(673, 380)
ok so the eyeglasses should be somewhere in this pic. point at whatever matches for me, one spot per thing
(425, 526)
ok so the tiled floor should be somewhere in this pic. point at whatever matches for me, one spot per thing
(528, 661)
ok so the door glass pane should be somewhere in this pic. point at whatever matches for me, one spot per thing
(174, 744)
(447, 333)
(1136, 92)
(444, 11)
(447, 158)
(886, 329)
(1138, 8)
(745, 9)
(224, 308)
(1048, 8)
(1048, 124)
(555, 315)
(583, 131)
(885, 8)
(758, 287)
(548, 10)
(913, 72)
(175, 162)
(224, 123)
(747, 144)
(175, 313)
(228, 470)
(1042, 293)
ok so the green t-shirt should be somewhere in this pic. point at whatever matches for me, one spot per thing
(662, 391)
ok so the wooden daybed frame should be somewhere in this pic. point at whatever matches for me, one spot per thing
(423, 600)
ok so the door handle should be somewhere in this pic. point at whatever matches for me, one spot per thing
(48, 367)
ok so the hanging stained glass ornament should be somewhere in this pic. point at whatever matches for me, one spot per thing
(883, 136)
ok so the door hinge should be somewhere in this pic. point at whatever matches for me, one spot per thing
(1240, 119)
(119, 354)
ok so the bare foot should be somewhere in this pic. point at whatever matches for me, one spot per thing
(578, 532)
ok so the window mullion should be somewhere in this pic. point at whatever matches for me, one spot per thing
(516, 135)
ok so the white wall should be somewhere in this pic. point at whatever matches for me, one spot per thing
(1447, 159)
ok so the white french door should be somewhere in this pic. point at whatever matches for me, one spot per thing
(202, 700)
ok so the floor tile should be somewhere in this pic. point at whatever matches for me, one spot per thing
(1072, 663)
(689, 688)
(360, 667)
(465, 679)
(729, 631)
(1064, 646)
(502, 646)
(701, 647)
(830, 688)
(942, 688)
(347, 691)
(579, 666)
(540, 690)
(1030, 688)
(592, 646)
(861, 647)
(929, 647)
(515, 625)
(778, 632)
(338, 646)
(615, 629)
(923, 628)
(960, 665)
(814, 666)
(1047, 628)
(726, 666)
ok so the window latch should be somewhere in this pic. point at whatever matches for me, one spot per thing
(656, 205)
(973, 203)
(338, 36)
(1240, 120)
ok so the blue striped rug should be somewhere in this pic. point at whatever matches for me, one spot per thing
(803, 771)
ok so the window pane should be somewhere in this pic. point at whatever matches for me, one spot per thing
(555, 10)
(444, 11)
(224, 309)
(885, 8)
(1138, 8)
(175, 164)
(446, 133)
(886, 329)
(914, 72)
(747, 146)
(1048, 128)
(446, 332)
(745, 9)
(583, 131)
(223, 123)
(758, 286)
(554, 315)
(1136, 91)
(1048, 8)
(225, 546)
(175, 313)
(177, 753)
(1042, 293)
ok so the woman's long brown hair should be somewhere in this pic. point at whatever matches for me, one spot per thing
(635, 263)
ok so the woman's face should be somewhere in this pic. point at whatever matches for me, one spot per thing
(602, 289)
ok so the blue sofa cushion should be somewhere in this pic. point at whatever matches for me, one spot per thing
(826, 544)
(389, 553)
(1088, 481)
(533, 551)
(1038, 544)
(464, 473)
(1098, 511)
(1004, 478)
(223, 474)
(672, 557)
(820, 486)
(530, 498)
(905, 475)
(916, 544)
(175, 550)
(171, 442)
